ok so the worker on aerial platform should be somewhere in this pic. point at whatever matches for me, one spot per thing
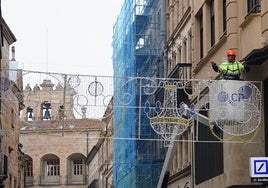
(231, 69)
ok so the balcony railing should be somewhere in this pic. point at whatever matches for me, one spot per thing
(76, 179)
(29, 180)
(55, 180)
(253, 9)
(182, 71)
(49, 180)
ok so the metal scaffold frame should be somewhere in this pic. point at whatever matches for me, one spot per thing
(137, 43)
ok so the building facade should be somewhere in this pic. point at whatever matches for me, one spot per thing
(55, 143)
(204, 156)
(11, 103)
(100, 158)
(200, 32)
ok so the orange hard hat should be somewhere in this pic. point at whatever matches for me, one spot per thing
(231, 52)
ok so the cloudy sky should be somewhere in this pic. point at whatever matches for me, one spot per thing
(63, 36)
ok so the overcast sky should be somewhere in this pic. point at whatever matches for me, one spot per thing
(63, 36)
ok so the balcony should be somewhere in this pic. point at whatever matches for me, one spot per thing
(76, 179)
(50, 180)
(29, 181)
(182, 71)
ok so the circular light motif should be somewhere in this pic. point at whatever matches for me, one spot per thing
(95, 88)
(245, 92)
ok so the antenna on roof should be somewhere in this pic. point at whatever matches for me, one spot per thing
(46, 50)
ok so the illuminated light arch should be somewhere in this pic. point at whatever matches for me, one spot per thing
(166, 117)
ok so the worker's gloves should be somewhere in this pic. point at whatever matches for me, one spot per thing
(212, 63)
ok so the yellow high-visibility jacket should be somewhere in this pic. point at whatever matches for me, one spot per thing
(231, 69)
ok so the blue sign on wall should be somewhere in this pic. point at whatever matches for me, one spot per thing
(259, 169)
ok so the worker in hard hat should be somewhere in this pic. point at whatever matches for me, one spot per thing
(231, 69)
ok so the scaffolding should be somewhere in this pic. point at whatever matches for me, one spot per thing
(138, 43)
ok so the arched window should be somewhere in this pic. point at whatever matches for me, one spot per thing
(50, 170)
(76, 169)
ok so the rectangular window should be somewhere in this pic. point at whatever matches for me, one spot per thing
(4, 164)
(212, 23)
(53, 168)
(78, 166)
(254, 6)
(184, 51)
(224, 15)
(189, 48)
(201, 36)
(12, 119)
(29, 169)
